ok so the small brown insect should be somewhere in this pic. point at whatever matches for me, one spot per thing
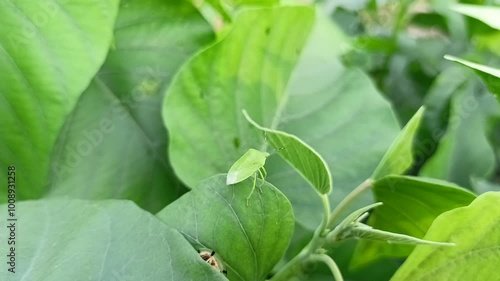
(209, 257)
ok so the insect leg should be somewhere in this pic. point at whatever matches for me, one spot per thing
(262, 174)
(253, 188)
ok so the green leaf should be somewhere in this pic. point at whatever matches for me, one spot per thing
(307, 162)
(321, 103)
(475, 231)
(249, 239)
(254, 2)
(357, 215)
(490, 76)
(61, 240)
(464, 151)
(217, 6)
(410, 206)
(220, 5)
(375, 44)
(487, 43)
(408, 74)
(399, 157)
(437, 110)
(488, 15)
(122, 144)
(327, 109)
(363, 231)
(349, 21)
(456, 25)
(49, 53)
(430, 21)
(212, 83)
(481, 186)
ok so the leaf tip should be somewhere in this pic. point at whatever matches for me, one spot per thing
(450, 58)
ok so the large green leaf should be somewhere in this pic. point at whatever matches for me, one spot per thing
(488, 15)
(365, 232)
(483, 25)
(250, 238)
(481, 186)
(429, 21)
(49, 52)
(464, 150)
(247, 70)
(337, 112)
(490, 75)
(340, 114)
(408, 74)
(410, 206)
(122, 143)
(61, 240)
(399, 157)
(299, 155)
(255, 2)
(475, 230)
(224, 6)
(437, 109)
(239, 3)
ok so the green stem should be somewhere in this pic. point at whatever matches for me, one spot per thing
(330, 263)
(318, 239)
(294, 266)
(334, 216)
(400, 19)
(326, 212)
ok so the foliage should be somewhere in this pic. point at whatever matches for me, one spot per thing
(374, 127)
(477, 243)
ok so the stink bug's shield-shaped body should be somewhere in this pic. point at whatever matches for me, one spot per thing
(249, 164)
(246, 166)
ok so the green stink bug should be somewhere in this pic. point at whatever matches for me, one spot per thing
(249, 164)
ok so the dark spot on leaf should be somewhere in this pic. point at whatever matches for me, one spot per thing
(202, 94)
(268, 30)
(236, 142)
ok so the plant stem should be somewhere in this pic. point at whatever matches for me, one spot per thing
(367, 184)
(326, 212)
(295, 265)
(400, 19)
(330, 263)
(290, 269)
